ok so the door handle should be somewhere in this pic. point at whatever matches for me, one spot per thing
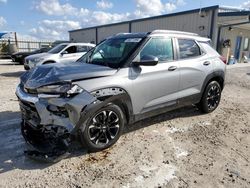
(206, 63)
(172, 68)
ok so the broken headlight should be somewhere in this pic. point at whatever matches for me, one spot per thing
(60, 89)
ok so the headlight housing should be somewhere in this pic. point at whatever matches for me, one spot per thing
(65, 88)
(37, 60)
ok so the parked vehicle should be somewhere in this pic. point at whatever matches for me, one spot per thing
(19, 56)
(65, 52)
(124, 79)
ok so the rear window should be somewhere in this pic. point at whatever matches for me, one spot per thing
(83, 48)
(188, 48)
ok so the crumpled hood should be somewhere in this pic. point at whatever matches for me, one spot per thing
(63, 72)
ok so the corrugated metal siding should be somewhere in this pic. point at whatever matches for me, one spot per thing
(214, 28)
(104, 32)
(88, 35)
(188, 22)
(232, 19)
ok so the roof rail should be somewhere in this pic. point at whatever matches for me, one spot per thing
(173, 32)
(122, 34)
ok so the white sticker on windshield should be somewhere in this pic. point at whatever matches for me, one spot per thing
(133, 40)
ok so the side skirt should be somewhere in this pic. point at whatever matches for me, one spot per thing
(186, 101)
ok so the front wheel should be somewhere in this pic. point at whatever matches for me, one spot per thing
(103, 128)
(211, 97)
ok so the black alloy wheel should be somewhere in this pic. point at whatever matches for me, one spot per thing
(103, 128)
(211, 97)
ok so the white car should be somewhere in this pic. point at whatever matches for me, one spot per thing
(62, 53)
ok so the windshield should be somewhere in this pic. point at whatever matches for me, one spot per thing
(35, 51)
(111, 52)
(57, 48)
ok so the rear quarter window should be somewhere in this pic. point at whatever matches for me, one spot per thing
(206, 46)
(188, 48)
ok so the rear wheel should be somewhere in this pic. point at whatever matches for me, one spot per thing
(103, 128)
(211, 97)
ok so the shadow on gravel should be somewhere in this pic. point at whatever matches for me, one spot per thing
(188, 111)
(13, 145)
(12, 74)
(248, 74)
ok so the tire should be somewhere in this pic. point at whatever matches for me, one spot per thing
(211, 97)
(98, 134)
(26, 68)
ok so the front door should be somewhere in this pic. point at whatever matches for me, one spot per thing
(155, 86)
(69, 55)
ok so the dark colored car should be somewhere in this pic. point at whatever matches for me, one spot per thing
(19, 56)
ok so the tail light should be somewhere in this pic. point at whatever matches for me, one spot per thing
(222, 58)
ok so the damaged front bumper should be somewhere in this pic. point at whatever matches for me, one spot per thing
(49, 122)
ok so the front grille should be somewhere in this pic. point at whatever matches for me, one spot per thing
(29, 112)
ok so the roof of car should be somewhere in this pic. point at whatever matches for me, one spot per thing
(129, 35)
(78, 43)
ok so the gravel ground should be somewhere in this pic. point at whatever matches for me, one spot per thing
(183, 148)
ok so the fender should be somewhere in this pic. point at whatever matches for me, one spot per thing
(196, 98)
(216, 75)
(104, 97)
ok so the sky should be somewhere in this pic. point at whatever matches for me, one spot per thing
(52, 19)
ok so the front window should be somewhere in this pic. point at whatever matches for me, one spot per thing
(57, 49)
(71, 50)
(111, 52)
(161, 48)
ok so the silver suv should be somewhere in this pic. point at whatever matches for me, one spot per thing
(124, 79)
(62, 53)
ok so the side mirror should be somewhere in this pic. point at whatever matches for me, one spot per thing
(64, 52)
(147, 60)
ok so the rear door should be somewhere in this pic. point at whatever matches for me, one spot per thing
(195, 65)
(155, 86)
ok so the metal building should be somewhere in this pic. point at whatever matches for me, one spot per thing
(217, 23)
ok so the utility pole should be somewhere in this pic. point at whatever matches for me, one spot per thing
(16, 40)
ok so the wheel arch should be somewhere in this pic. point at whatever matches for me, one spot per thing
(218, 76)
(118, 96)
(48, 62)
